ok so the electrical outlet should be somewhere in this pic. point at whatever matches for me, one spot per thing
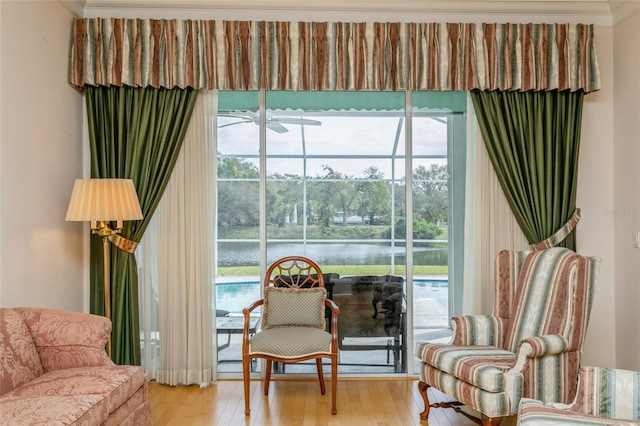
(636, 243)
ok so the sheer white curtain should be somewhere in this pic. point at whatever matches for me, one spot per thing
(176, 263)
(489, 223)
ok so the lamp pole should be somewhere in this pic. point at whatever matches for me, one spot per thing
(107, 285)
(103, 230)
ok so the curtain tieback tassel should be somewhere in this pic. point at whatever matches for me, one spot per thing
(123, 243)
(560, 234)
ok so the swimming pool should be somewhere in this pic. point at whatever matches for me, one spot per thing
(233, 296)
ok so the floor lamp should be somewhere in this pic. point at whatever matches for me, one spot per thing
(102, 201)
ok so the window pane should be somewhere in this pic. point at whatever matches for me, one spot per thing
(430, 136)
(352, 167)
(285, 209)
(432, 139)
(238, 134)
(285, 167)
(362, 133)
(238, 209)
(283, 139)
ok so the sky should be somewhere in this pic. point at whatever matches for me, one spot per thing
(361, 139)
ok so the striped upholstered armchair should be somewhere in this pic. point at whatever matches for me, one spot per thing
(531, 345)
(606, 396)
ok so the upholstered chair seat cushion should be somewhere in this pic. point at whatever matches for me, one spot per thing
(490, 403)
(291, 342)
(481, 366)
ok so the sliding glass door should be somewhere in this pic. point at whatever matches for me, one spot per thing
(324, 175)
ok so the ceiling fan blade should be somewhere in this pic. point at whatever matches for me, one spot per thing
(253, 116)
(234, 123)
(293, 120)
(273, 123)
(276, 127)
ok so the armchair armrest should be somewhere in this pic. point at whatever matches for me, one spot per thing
(478, 330)
(246, 313)
(550, 344)
(66, 339)
(553, 355)
(539, 347)
(334, 322)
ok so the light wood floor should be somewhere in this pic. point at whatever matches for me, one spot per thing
(382, 402)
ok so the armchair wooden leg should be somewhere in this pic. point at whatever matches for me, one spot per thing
(422, 389)
(267, 376)
(320, 375)
(246, 361)
(334, 383)
(490, 421)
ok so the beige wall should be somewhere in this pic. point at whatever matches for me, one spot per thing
(595, 195)
(41, 261)
(609, 198)
(626, 203)
(42, 258)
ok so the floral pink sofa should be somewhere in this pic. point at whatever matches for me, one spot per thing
(54, 371)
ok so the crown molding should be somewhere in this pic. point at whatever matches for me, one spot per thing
(75, 6)
(623, 9)
(597, 12)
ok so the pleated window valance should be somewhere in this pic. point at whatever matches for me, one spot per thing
(252, 55)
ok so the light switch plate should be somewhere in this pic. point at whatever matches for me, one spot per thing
(636, 243)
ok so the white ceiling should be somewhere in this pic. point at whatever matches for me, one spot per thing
(598, 12)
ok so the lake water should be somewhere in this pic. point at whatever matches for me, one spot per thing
(235, 296)
(248, 253)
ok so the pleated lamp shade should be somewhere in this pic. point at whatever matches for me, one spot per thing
(104, 200)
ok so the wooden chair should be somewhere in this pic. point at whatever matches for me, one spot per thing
(293, 325)
(530, 347)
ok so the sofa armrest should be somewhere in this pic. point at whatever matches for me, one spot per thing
(478, 330)
(66, 339)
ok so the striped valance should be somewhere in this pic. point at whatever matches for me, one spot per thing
(251, 55)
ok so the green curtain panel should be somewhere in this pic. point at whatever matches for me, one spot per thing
(134, 133)
(533, 140)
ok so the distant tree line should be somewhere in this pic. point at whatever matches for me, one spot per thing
(367, 196)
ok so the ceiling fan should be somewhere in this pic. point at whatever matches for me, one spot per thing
(273, 122)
